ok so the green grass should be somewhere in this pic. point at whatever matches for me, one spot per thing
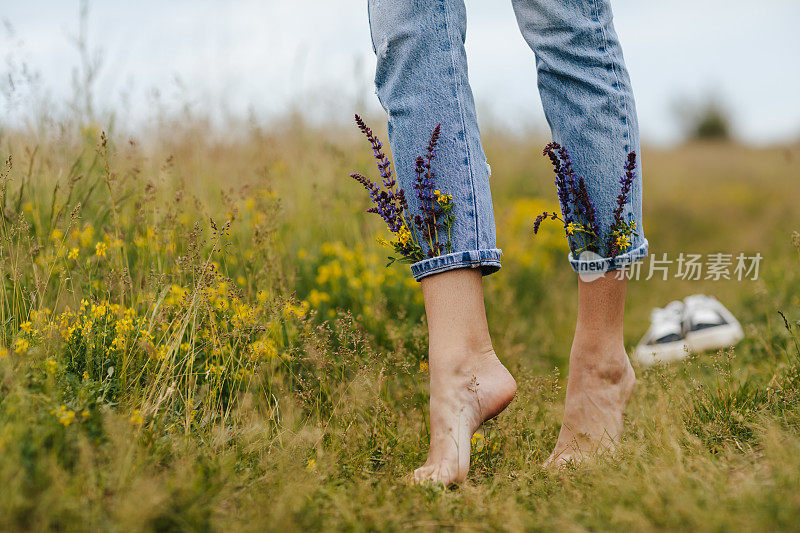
(200, 334)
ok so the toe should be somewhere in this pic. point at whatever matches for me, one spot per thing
(435, 473)
(563, 459)
(423, 473)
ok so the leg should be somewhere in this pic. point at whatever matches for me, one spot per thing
(421, 80)
(588, 101)
(601, 378)
(469, 385)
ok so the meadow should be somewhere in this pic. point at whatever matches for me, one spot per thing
(199, 333)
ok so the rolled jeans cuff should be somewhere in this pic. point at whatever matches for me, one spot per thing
(487, 260)
(599, 265)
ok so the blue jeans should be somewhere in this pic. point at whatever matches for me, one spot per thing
(421, 80)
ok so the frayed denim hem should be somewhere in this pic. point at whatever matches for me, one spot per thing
(599, 265)
(487, 260)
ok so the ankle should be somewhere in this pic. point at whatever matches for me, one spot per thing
(601, 360)
(603, 342)
(460, 360)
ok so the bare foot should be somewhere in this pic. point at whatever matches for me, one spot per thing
(600, 382)
(462, 400)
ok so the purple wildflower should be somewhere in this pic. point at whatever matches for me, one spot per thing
(384, 165)
(538, 222)
(423, 183)
(433, 142)
(569, 188)
(419, 223)
(420, 183)
(577, 205)
(389, 203)
(562, 188)
(626, 181)
(384, 205)
(427, 181)
(368, 184)
(401, 199)
(566, 168)
(429, 184)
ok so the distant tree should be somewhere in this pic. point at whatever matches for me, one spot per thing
(708, 118)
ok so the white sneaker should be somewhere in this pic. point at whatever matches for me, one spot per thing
(664, 341)
(708, 325)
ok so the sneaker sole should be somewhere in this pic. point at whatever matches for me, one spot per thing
(664, 353)
(714, 338)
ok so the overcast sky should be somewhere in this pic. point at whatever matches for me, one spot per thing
(241, 55)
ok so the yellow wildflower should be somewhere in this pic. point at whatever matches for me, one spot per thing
(623, 242)
(403, 235)
(136, 418)
(297, 310)
(328, 248)
(311, 464)
(100, 249)
(3, 352)
(21, 345)
(175, 295)
(443, 199)
(113, 242)
(423, 366)
(84, 237)
(571, 227)
(329, 272)
(161, 352)
(98, 311)
(316, 297)
(56, 234)
(263, 349)
(65, 416)
(73, 254)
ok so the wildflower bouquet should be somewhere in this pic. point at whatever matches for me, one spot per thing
(580, 216)
(427, 234)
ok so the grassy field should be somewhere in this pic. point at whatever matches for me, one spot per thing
(199, 333)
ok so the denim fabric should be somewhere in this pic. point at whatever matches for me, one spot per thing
(487, 260)
(421, 80)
